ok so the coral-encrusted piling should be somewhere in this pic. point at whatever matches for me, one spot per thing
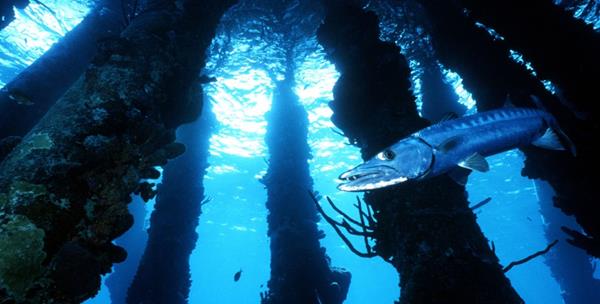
(492, 77)
(300, 270)
(456, 38)
(163, 276)
(64, 190)
(425, 229)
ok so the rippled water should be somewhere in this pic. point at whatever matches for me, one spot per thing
(34, 31)
(247, 56)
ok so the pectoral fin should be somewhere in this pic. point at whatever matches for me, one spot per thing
(475, 162)
(549, 141)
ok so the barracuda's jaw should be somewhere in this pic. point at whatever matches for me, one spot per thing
(364, 178)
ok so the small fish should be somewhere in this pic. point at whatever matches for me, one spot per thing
(20, 98)
(237, 275)
(451, 144)
(481, 204)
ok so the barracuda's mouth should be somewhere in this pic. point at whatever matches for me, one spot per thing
(364, 178)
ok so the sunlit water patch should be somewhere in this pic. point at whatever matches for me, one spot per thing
(234, 224)
(233, 228)
(34, 31)
(490, 31)
(416, 72)
(585, 10)
(316, 78)
(464, 97)
(240, 102)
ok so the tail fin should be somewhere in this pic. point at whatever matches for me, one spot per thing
(566, 139)
(554, 132)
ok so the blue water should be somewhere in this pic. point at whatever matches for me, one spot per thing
(232, 229)
(34, 31)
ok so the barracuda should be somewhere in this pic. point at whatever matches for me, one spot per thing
(451, 144)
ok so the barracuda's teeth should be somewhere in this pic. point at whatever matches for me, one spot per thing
(345, 175)
(350, 187)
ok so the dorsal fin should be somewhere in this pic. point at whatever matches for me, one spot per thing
(448, 144)
(549, 141)
(475, 162)
(538, 103)
(508, 102)
(448, 116)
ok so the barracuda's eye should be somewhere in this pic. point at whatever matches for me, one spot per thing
(386, 155)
